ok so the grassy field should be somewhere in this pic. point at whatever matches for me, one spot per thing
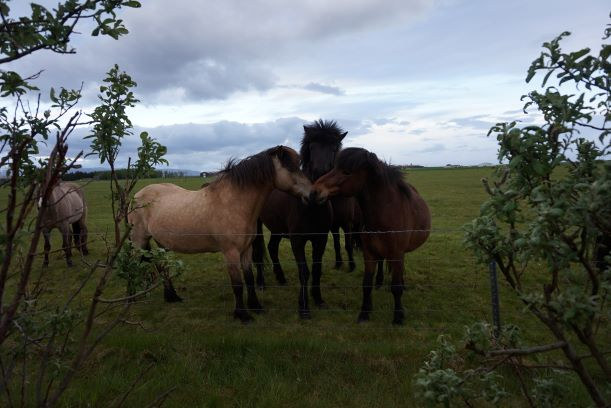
(197, 350)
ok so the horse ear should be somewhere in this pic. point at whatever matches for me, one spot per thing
(342, 136)
(280, 152)
(374, 163)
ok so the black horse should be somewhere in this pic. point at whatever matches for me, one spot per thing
(287, 217)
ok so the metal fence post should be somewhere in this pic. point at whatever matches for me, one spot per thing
(494, 298)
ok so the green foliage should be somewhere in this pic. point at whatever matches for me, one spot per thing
(111, 126)
(111, 123)
(51, 29)
(140, 268)
(445, 377)
(547, 225)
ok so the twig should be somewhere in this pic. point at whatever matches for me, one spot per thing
(527, 351)
(157, 402)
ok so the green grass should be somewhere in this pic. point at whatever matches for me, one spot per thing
(197, 350)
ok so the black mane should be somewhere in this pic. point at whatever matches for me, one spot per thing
(258, 169)
(320, 131)
(380, 172)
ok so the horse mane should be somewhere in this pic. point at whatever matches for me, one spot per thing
(256, 170)
(320, 131)
(382, 173)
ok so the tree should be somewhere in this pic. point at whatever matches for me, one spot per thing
(29, 326)
(547, 219)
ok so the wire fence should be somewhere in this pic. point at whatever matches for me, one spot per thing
(441, 278)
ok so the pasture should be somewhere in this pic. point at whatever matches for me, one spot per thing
(196, 350)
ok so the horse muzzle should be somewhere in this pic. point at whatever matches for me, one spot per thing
(316, 197)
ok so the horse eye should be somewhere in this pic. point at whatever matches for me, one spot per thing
(345, 173)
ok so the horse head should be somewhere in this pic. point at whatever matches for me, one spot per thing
(288, 177)
(353, 168)
(321, 142)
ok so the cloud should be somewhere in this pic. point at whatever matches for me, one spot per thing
(210, 49)
(190, 146)
(327, 89)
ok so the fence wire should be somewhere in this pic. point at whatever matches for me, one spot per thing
(344, 294)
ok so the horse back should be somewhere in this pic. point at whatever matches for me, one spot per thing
(66, 204)
(205, 220)
(406, 218)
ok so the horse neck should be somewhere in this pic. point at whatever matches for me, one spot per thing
(374, 199)
(251, 198)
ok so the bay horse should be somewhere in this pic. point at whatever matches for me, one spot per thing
(287, 217)
(396, 218)
(221, 217)
(64, 208)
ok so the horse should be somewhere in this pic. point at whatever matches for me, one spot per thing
(287, 217)
(221, 217)
(396, 218)
(65, 207)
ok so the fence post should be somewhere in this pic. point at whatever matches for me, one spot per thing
(494, 298)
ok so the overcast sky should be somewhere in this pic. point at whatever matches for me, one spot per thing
(415, 81)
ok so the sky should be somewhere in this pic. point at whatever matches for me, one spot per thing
(415, 81)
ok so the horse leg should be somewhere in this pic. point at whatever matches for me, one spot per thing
(272, 247)
(83, 237)
(232, 259)
(76, 236)
(67, 242)
(337, 247)
(396, 288)
(298, 247)
(367, 305)
(252, 301)
(349, 248)
(258, 256)
(169, 293)
(47, 235)
(380, 275)
(318, 249)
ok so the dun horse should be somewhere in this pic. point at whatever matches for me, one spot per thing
(222, 217)
(396, 219)
(288, 217)
(65, 207)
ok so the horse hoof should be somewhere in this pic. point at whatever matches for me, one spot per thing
(69, 263)
(338, 264)
(352, 267)
(85, 252)
(281, 281)
(398, 319)
(171, 296)
(305, 315)
(256, 308)
(261, 287)
(244, 317)
(363, 317)
(378, 285)
(321, 304)
(45, 264)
